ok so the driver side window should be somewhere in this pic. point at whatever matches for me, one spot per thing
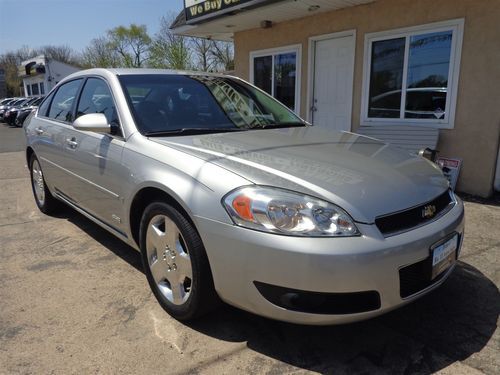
(96, 98)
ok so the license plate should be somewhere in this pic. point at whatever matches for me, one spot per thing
(443, 256)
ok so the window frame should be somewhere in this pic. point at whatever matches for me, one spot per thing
(120, 134)
(456, 26)
(295, 48)
(73, 105)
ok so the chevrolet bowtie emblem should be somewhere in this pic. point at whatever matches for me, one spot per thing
(429, 211)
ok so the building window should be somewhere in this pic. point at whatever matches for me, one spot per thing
(34, 89)
(277, 72)
(28, 90)
(411, 75)
(42, 88)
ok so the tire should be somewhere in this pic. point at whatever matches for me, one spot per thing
(43, 197)
(175, 263)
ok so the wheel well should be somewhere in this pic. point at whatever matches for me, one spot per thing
(142, 199)
(29, 152)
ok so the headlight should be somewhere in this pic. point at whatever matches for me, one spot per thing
(285, 212)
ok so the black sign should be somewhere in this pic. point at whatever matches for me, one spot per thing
(197, 10)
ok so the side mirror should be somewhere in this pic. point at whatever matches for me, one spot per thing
(93, 122)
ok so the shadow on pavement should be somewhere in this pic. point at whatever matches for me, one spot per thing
(448, 325)
(106, 239)
(452, 323)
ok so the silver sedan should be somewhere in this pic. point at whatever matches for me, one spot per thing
(230, 196)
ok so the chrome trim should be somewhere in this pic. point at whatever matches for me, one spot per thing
(114, 195)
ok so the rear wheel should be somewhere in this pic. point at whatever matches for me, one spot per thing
(175, 263)
(43, 197)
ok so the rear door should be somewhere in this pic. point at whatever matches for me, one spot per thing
(46, 133)
(94, 159)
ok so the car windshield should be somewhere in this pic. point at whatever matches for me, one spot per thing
(174, 104)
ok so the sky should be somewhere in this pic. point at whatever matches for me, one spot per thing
(36, 23)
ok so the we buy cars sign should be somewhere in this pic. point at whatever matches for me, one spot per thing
(197, 10)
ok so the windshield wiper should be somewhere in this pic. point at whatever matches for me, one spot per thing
(191, 131)
(276, 125)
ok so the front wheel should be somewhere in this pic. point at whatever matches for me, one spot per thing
(175, 263)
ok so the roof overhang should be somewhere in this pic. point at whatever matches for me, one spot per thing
(31, 67)
(220, 19)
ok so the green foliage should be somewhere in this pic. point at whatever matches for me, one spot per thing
(131, 43)
(98, 54)
(168, 50)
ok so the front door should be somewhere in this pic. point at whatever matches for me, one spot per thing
(94, 159)
(333, 76)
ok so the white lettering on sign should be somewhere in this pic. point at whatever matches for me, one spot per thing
(198, 8)
(190, 3)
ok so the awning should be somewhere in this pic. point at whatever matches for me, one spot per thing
(220, 19)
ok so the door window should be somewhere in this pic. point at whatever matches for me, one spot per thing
(61, 107)
(96, 98)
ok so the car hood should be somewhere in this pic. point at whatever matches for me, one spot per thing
(366, 177)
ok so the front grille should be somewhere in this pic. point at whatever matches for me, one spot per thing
(413, 217)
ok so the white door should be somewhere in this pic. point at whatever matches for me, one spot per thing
(332, 82)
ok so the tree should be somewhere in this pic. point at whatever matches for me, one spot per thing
(131, 43)
(9, 62)
(63, 53)
(223, 53)
(98, 54)
(203, 54)
(169, 50)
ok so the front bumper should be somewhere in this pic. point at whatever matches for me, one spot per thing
(241, 258)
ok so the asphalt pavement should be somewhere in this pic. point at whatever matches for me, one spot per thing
(74, 299)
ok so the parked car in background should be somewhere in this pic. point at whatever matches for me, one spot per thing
(421, 103)
(229, 194)
(5, 101)
(24, 111)
(4, 104)
(11, 112)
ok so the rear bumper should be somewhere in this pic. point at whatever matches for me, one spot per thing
(240, 257)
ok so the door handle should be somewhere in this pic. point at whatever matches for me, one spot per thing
(39, 131)
(72, 143)
(313, 108)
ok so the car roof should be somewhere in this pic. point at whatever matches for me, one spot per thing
(134, 71)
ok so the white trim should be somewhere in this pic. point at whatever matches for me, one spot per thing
(297, 49)
(311, 66)
(454, 25)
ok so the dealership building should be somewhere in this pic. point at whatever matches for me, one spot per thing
(40, 74)
(403, 65)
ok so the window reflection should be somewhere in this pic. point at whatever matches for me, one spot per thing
(426, 74)
(386, 78)
(276, 74)
(428, 69)
(263, 71)
(284, 79)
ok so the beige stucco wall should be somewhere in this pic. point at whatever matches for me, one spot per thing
(476, 134)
